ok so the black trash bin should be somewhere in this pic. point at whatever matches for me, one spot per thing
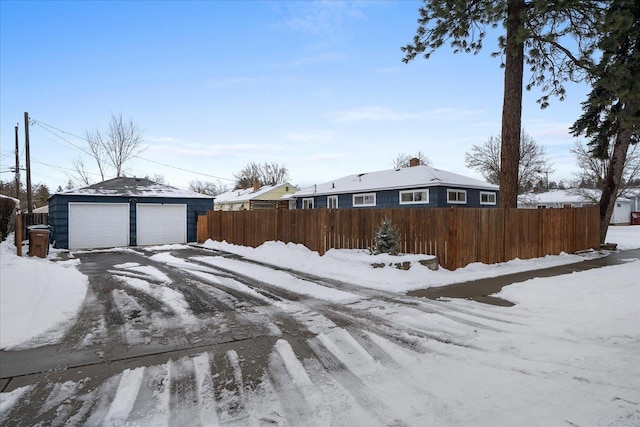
(39, 241)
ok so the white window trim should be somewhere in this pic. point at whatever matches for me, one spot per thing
(309, 202)
(488, 193)
(363, 195)
(332, 198)
(419, 202)
(456, 202)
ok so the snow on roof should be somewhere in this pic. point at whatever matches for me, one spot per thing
(134, 187)
(15, 201)
(244, 195)
(561, 196)
(410, 177)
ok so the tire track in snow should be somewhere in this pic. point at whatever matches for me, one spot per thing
(340, 365)
(451, 312)
(204, 384)
(296, 392)
(125, 397)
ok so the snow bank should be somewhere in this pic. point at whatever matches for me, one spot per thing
(610, 305)
(355, 266)
(626, 236)
(37, 297)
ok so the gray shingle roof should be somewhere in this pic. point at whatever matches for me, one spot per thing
(138, 187)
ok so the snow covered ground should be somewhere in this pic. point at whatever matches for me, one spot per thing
(565, 354)
(38, 298)
(354, 266)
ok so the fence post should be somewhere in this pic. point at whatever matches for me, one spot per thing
(18, 235)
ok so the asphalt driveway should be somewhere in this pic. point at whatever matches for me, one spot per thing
(189, 336)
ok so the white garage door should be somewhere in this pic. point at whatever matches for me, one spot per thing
(98, 225)
(161, 224)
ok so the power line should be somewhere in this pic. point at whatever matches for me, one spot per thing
(48, 128)
(45, 126)
(184, 170)
(60, 168)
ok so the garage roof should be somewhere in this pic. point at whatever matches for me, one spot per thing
(134, 187)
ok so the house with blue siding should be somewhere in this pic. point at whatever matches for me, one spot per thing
(414, 186)
(125, 212)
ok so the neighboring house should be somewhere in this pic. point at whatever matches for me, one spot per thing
(266, 197)
(633, 194)
(124, 212)
(414, 186)
(567, 198)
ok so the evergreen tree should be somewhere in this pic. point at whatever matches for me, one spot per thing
(611, 113)
(387, 239)
(534, 30)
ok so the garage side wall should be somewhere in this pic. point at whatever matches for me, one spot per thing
(59, 213)
(59, 220)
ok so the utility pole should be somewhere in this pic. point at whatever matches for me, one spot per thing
(17, 165)
(27, 161)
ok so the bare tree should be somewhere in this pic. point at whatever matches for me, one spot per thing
(594, 170)
(97, 146)
(158, 179)
(122, 142)
(403, 160)
(208, 188)
(267, 173)
(533, 161)
(82, 174)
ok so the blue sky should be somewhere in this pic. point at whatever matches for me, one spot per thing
(319, 87)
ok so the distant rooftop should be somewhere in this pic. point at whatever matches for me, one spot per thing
(246, 194)
(410, 177)
(561, 196)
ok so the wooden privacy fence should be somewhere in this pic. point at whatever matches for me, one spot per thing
(457, 236)
(29, 219)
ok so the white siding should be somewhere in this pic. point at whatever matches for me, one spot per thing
(621, 213)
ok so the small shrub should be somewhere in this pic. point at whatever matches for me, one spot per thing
(387, 239)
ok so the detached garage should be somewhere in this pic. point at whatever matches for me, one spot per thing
(125, 212)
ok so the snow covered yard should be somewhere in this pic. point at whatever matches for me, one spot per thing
(355, 352)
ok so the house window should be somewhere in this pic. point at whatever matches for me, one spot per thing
(457, 196)
(414, 197)
(487, 198)
(332, 202)
(307, 203)
(368, 199)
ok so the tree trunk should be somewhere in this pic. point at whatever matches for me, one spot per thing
(612, 180)
(512, 105)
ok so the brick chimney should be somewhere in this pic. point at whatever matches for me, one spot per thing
(256, 186)
(414, 161)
